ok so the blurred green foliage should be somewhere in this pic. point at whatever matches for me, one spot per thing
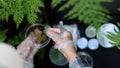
(18, 11)
(115, 38)
(90, 12)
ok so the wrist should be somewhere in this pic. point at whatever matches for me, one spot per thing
(69, 52)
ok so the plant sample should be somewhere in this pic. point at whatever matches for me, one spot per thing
(115, 38)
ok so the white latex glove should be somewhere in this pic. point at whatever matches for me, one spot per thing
(28, 48)
(61, 39)
(64, 42)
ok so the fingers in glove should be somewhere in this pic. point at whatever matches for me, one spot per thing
(54, 34)
(57, 30)
(24, 47)
(33, 51)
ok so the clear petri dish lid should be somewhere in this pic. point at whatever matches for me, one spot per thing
(103, 32)
(86, 59)
(41, 27)
(57, 57)
(93, 44)
(82, 43)
(90, 31)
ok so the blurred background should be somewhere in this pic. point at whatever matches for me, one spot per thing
(17, 15)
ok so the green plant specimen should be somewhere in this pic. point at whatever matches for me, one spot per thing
(115, 38)
(88, 11)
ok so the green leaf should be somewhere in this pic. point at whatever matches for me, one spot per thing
(115, 38)
(55, 3)
(87, 11)
(32, 17)
(19, 9)
(118, 24)
(18, 17)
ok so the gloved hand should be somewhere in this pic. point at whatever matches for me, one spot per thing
(28, 48)
(64, 42)
(61, 39)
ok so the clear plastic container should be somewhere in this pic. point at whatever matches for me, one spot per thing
(93, 44)
(41, 27)
(82, 43)
(103, 32)
(90, 31)
(86, 59)
(57, 57)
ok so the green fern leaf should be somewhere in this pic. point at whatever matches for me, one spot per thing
(56, 2)
(118, 24)
(32, 17)
(114, 37)
(18, 17)
(88, 11)
(20, 9)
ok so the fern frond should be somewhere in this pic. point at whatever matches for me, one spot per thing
(68, 4)
(19, 9)
(115, 37)
(55, 3)
(118, 24)
(88, 11)
(32, 10)
(32, 17)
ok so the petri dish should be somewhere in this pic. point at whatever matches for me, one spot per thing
(93, 44)
(86, 59)
(45, 39)
(82, 43)
(103, 32)
(57, 57)
(90, 31)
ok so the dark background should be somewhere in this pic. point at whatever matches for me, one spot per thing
(103, 57)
